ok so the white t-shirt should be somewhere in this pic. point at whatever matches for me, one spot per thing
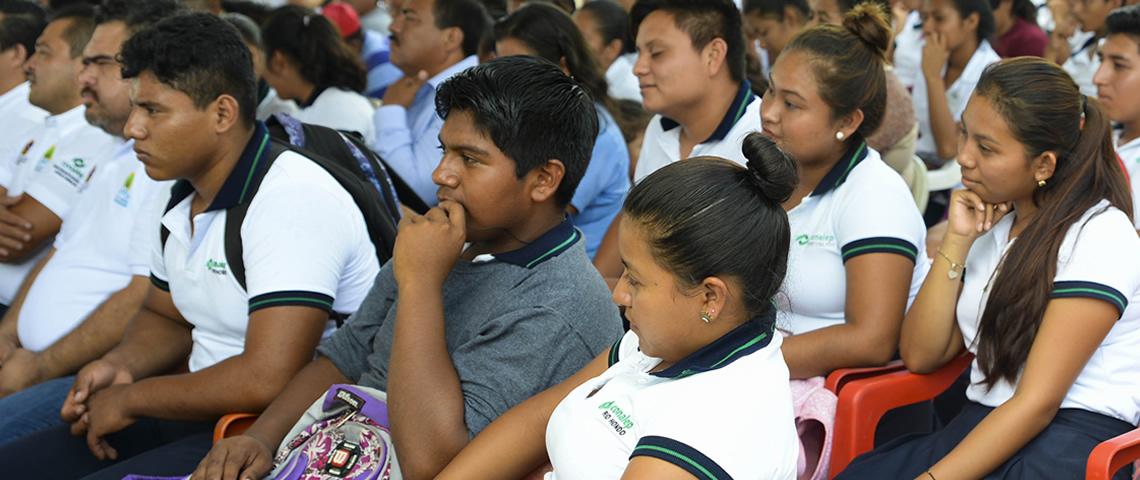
(1130, 155)
(623, 84)
(304, 243)
(1099, 259)
(53, 167)
(724, 411)
(908, 50)
(272, 104)
(662, 143)
(957, 95)
(1083, 62)
(107, 239)
(341, 110)
(861, 206)
(21, 120)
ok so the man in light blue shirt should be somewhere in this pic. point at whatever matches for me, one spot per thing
(431, 41)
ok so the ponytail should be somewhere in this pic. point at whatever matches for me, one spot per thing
(315, 45)
(1046, 113)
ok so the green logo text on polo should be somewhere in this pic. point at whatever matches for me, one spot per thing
(618, 419)
(215, 266)
(78, 162)
(815, 240)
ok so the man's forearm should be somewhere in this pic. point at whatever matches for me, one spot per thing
(424, 395)
(98, 333)
(153, 344)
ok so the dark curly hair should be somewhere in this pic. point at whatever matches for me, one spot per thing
(137, 14)
(197, 54)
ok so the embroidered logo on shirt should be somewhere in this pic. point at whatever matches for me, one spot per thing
(216, 267)
(815, 240)
(46, 158)
(123, 198)
(73, 172)
(618, 419)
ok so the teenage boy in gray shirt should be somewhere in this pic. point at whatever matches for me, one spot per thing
(456, 336)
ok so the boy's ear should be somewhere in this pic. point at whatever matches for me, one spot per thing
(546, 179)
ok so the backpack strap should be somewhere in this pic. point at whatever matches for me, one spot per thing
(235, 215)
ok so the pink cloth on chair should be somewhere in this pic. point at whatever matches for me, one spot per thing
(815, 416)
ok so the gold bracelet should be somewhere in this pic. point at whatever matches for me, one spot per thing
(955, 269)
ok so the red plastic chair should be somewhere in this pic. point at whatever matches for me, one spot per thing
(233, 424)
(865, 395)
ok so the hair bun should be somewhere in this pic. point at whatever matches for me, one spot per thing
(868, 22)
(770, 170)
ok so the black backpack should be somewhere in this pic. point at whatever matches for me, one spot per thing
(359, 173)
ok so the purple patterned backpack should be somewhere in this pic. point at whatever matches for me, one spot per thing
(349, 440)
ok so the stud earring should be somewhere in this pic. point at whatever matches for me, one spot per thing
(705, 317)
(1040, 183)
(839, 136)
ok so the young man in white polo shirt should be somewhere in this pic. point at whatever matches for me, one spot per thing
(431, 41)
(306, 253)
(1118, 89)
(691, 69)
(20, 24)
(43, 179)
(75, 304)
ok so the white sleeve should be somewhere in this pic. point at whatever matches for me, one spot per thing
(145, 231)
(297, 239)
(1100, 259)
(879, 217)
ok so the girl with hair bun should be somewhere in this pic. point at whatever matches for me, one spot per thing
(857, 254)
(1039, 277)
(698, 386)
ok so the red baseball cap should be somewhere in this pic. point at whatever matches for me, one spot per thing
(343, 16)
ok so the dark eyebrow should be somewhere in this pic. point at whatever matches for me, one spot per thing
(464, 148)
(97, 59)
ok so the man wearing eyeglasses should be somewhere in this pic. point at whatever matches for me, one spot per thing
(74, 304)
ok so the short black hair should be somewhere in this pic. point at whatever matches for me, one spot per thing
(250, 32)
(1124, 21)
(704, 21)
(22, 24)
(197, 54)
(315, 46)
(612, 22)
(78, 33)
(257, 12)
(531, 110)
(470, 16)
(137, 14)
(775, 8)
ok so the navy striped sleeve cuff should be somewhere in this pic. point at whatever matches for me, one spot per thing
(291, 298)
(1074, 289)
(897, 246)
(683, 456)
(160, 283)
(614, 356)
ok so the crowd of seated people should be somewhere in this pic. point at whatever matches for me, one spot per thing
(630, 239)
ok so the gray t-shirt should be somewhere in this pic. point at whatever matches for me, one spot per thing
(514, 325)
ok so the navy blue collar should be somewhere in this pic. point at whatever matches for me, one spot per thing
(549, 245)
(839, 172)
(740, 104)
(248, 170)
(742, 341)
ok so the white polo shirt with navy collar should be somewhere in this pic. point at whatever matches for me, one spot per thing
(1099, 259)
(304, 243)
(861, 206)
(957, 94)
(107, 239)
(662, 143)
(21, 119)
(1129, 154)
(340, 109)
(723, 412)
(53, 167)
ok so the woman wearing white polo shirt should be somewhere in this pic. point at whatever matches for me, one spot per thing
(857, 248)
(307, 61)
(1039, 276)
(953, 57)
(697, 387)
